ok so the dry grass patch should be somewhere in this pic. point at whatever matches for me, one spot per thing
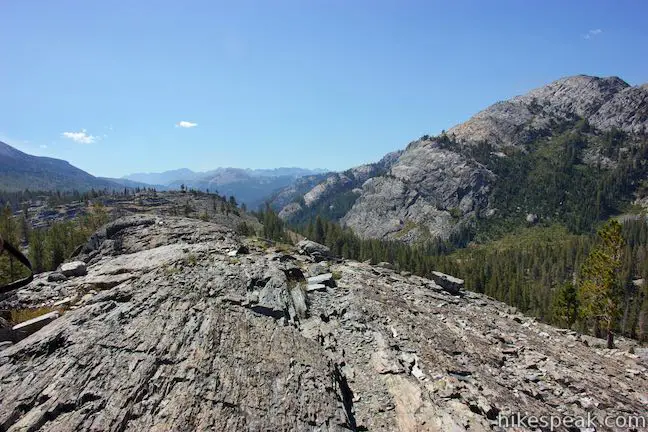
(21, 315)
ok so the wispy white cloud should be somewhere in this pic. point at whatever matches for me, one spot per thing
(81, 137)
(186, 124)
(592, 33)
(43, 146)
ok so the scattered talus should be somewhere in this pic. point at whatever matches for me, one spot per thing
(181, 336)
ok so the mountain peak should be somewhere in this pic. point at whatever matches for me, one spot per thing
(579, 96)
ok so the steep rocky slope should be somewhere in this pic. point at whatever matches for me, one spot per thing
(170, 329)
(423, 195)
(438, 185)
(315, 194)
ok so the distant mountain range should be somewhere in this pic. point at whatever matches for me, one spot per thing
(218, 175)
(19, 171)
(250, 186)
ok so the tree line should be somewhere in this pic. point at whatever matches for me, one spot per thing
(46, 247)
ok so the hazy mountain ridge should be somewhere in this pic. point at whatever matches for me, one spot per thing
(19, 171)
(250, 186)
(439, 185)
(163, 178)
(222, 174)
(135, 184)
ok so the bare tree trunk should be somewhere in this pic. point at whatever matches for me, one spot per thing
(610, 339)
(597, 328)
(624, 320)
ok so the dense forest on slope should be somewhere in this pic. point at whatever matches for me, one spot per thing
(331, 208)
(575, 177)
(48, 247)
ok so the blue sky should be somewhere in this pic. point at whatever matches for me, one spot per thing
(332, 84)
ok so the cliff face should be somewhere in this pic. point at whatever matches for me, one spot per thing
(181, 325)
(418, 197)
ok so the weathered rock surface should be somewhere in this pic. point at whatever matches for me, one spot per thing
(427, 190)
(179, 336)
(24, 329)
(324, 279)
(56, 277)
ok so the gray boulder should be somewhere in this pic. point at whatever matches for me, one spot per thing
(317, 251)
(531, 218)
(74, 268)
(325, 279)
(318, 269)
(449, 283)
(56, 277)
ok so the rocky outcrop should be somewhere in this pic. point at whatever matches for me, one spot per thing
(449, 283)
(180, 336)
(627, 110)
(24, 329)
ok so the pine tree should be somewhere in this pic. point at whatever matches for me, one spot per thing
(37, 250)
(566, 307)
(319, 230)
(600, 282)
(10, 269)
